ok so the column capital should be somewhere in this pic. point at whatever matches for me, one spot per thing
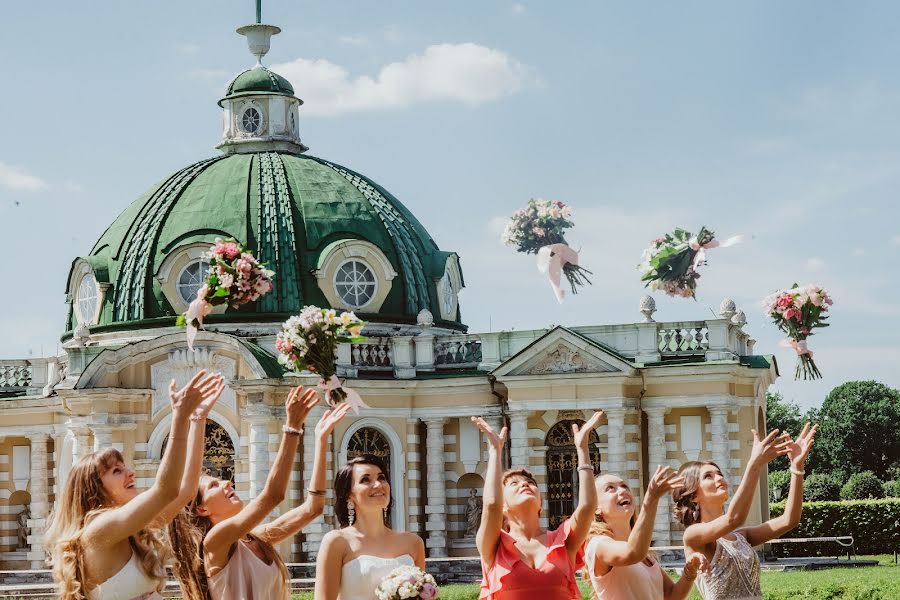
(256, 412)
(435, 422)
(719, 411)
(657, 411)
(39, 437)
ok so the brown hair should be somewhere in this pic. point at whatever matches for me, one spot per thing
(343, 484)
(686, 509)
(83, 498)
(520, 472)
(187, 532)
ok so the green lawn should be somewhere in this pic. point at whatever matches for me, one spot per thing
(868, 583)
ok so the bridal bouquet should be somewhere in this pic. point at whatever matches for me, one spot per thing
(235, 278)
(309, 341)
(797, 312)
(670, 263)
(407, 582)
(538, 229)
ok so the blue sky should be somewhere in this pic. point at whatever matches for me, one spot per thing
(775, 120)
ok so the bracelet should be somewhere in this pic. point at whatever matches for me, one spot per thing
(586, 468)
(797, 472)
(316, 492)
(289, 429)
(198, 418)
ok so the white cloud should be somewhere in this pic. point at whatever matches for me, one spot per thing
(15, 178)
(353, 40)
(518, 8)
(467, 73)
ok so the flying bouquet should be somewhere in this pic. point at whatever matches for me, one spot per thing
(407, 582)
(797, 312)
(670, 263)
(235, 278)
(538, 229)
(309, 342)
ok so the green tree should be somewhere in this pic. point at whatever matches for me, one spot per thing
(862, 486)
(858, 429)
(783, 415)
(820, 487)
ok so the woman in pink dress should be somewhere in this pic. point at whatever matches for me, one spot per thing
(519, 559)
(617, 557)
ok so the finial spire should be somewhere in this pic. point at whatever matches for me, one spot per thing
(258, 11)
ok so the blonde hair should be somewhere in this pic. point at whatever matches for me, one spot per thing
(83, 498)
(686, 509)
(187, 532)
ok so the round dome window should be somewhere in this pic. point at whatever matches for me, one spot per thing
(87, 299)
(191, 279)
(355, 283)
(251, 120)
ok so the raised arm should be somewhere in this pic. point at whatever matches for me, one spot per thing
(225, 533)
(488, 535)
(190, 480)
(680, 590)
(587, 492)
(700, 534)
(793, 507)
(295, 519)
(615, 553)
(113, 526)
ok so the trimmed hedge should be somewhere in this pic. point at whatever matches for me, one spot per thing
(891, 489)
(874, 525)
(821, 487)
(862, 486)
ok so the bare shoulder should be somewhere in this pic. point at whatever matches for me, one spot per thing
(335, 543)
(410, 539)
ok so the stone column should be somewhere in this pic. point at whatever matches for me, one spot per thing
(102, 437)
(436, 509)
(40, 505)
(657, 455)
(721, 454)
(82, 444)
(258, 415)
(518, 439)
(615, 436)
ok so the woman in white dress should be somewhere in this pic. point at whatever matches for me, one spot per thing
(104, 538)
(353, 559)
(717, 534)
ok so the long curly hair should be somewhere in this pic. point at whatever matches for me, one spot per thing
(186, 533)
(686, 509)
(83, 498)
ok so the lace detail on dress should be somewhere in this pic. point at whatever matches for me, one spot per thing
(733, 572)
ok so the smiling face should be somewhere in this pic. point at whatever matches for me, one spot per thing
(118, 483)
(713, 487)
(219, 501)
(369, 488)
(614, 498)
(520, 490)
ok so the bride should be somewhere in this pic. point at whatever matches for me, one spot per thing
(353, 559)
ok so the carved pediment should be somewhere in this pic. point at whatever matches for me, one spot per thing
(182, 365)
(564, 360)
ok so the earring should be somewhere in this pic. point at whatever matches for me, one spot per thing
(384, 514)
(351, 513)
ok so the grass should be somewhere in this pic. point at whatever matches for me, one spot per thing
(864, 583)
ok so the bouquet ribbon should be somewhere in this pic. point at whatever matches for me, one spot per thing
(353, 398)
(800, 347)
(550, 261)
(700, 249)
(198, 309)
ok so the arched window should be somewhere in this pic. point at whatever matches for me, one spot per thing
(218, 457)
(562, 473)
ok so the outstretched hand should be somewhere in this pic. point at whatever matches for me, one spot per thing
(497, 440)
(799, 449)
(695, 563)
(298, 404)
(329, 420)
(581, 435)
(201, 388)
(663, 481)
(769, 448)
(213, 395)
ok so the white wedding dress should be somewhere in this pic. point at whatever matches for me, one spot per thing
(360, 576)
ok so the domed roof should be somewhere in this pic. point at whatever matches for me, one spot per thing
(259, 80)
(291, 209)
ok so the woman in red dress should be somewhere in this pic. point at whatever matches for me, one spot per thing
(519, 559)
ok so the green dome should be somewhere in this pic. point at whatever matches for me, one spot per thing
(259, 80)
(291, 209)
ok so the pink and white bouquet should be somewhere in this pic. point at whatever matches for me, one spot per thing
(797, 312)
(670, 263)
(407, 582)
(235, 278)
(309, 341)
(538, 229)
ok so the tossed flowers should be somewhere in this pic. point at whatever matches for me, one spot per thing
(670, 263)
(407, 582)
(309, 341)
(538, 229)
(797, 312)
(235, 278)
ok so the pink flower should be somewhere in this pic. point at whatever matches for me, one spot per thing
(789, 313)
(243, 265)
(219, 249)
(428, 592)
(538, 230)
(231, 250)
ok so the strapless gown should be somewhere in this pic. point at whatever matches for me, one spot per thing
(360, 576)
(131, 583)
